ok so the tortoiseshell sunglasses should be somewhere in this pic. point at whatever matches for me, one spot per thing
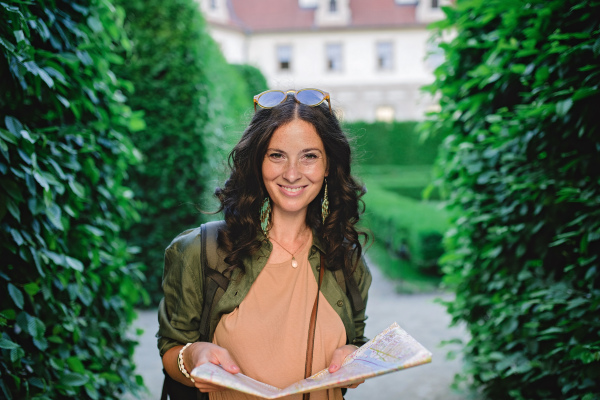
(310, 97)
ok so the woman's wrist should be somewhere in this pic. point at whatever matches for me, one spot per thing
(181, 364)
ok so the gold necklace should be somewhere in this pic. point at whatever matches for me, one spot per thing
(294, 262)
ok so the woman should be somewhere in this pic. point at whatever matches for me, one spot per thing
(290, 198)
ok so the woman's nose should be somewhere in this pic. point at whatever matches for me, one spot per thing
(291, 173)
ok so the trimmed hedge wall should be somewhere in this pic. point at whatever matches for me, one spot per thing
(520, 95)
(396, 162)
(192, 101)
(397, 143)
(66, 289)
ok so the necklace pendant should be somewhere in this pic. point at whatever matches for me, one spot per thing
(294, 262)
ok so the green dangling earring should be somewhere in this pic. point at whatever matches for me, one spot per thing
(325, 204)
(265, 216)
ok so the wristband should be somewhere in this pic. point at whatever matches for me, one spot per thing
(180, 363)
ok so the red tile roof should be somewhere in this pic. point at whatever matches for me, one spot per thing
(268, 15)
(375, 13)
(285, 15)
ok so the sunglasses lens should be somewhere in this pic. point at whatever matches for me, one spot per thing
(310, 97)
(271, 99)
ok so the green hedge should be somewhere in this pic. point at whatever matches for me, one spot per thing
(397, 143)
(193, 102)
(66, 288)
(396, 162)
(520, 95)
(410, 230)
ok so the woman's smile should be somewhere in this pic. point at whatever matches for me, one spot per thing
(291, 190)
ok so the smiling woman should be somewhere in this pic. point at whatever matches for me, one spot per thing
(291, 206)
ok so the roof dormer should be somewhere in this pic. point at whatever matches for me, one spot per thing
(215, 10)
(332, 13)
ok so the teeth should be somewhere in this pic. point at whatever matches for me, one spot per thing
(293, 190)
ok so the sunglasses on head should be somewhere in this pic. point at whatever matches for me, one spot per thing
(309, 97)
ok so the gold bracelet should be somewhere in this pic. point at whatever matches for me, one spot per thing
(180, 363)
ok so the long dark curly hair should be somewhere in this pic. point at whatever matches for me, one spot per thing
(243, 193)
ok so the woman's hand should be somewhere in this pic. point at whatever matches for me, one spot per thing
(338, 358)
(202, 352)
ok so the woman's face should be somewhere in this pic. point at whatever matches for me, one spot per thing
(294, 167)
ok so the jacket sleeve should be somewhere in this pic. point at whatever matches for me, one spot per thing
(362, 276)
(179, 311)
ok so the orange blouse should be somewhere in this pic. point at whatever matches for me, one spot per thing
(267, 334)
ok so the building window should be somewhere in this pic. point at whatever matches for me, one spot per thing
(334, 57)
(332, 6)
(385, 56)
(435, 4)
(284, 57)
(213, 4)
(384, 113)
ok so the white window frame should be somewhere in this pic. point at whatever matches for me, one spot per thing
(384, 50)
(334, 57)
(284, 54)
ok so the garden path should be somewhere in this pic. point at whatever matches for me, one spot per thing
(418, 314)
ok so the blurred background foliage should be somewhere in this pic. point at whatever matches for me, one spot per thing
(67, 290)
(519, 95)
(192, 101)
(396, 164)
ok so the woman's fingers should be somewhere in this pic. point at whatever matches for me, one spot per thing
(338, 357)
(223, 358)
(202, 352)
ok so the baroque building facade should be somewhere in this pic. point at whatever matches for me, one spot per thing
(372, 56)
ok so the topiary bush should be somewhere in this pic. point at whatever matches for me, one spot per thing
(192, 101)
(66, 288)
(255, 81)
(519, 95)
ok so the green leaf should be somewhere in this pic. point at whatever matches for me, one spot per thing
(40, 179)
(75, 364)
(8, 136)
(584, 92)
(94, 23)
(13, 125)
(36, 327)
(77, 188)
(54, 214)
(7, 344)
(16, 296)
(16, 235)
(74, 263)
(74, 379)
(563, 107)
(31, 288)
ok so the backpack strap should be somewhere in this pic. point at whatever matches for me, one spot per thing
(213, 266)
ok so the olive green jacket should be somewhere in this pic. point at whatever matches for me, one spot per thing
(179, 311)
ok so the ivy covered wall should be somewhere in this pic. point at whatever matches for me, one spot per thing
(67, 289)
(520, 96)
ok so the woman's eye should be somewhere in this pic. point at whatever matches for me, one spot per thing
(309, 158)
(276, 156)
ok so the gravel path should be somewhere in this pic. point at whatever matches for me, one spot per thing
(419, 315)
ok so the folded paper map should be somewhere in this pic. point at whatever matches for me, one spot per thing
(391, 350)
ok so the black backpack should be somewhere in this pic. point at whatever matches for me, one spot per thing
(216, 281)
